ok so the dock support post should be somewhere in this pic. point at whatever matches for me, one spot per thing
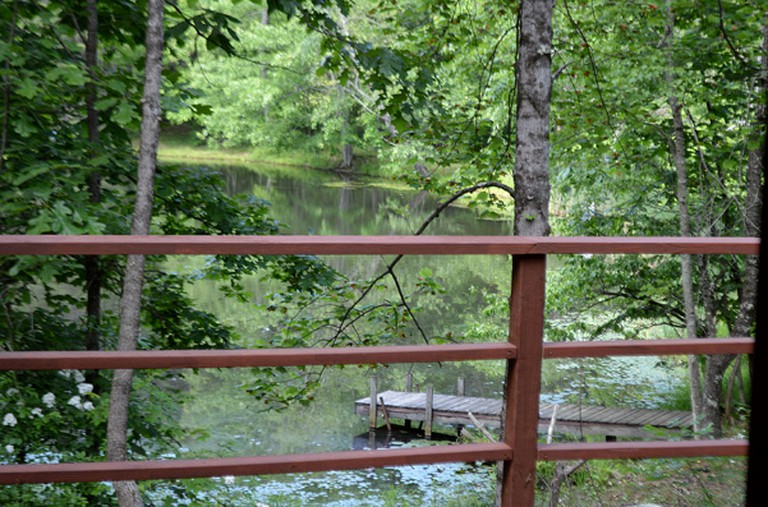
(373, 409)
(523, 381)
(459, 392)
(428, 413)
(408, 389)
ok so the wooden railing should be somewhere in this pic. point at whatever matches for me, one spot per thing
(519, 449)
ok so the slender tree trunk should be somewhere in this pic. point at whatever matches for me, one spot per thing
(130, 303)
(347, 156)
(91, 263)
(5, 126)
(264, 71)
(677, 150)
(686, 261)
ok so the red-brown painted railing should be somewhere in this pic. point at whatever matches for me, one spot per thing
(523, 352)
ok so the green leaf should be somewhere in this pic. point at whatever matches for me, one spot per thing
(74, 76)
(104, 104)
(124, 114)
(28, 89)
(30, 173)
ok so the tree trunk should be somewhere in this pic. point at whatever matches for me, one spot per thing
(91, 263)
(677, 150)
(264, 71)
(531, 175)
(691, 323)
(347, 156)
(130, 303)
(7, 87)
(753, 206)
(534, 86)
(745, 319)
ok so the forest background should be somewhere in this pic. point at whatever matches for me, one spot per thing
(655, 129)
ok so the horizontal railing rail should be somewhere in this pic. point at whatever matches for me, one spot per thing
(390, 354)
(369, 245)
(657, 347)
(244, 358)
(518, 450)
(250, 465)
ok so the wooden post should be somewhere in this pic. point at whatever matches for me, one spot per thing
(408, 388)
(372, 408)
(428, 413)
(459, 392)
(523, 383)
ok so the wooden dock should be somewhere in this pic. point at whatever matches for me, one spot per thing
(570, 418)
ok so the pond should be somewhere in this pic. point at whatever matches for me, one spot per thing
(230, 422)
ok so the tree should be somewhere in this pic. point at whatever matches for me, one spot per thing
(273, 67)
(657, 125)
(133, 278)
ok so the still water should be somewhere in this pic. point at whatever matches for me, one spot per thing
(229, 422)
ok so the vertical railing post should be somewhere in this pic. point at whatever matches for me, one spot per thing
(523, 382)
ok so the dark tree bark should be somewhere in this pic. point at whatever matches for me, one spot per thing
(93, 273)
(130, 303)
(7, 88)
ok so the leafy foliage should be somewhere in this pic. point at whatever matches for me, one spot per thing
(49, 158)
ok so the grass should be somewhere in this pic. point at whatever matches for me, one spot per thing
(180, 144)
(705, 482)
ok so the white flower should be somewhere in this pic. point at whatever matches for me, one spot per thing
(229, 480)
(12, 391)
(75, 402)
(10, 449)
(49, 400)
(9, 420)
(79, 378)
(84, 388)
(87, 405)
(65, 373)
(37, 411)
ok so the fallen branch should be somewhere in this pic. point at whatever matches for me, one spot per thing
(480, 426)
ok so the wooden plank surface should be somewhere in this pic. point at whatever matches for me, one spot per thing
(368, 245)
(456, 408)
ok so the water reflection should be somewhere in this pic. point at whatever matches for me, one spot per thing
(322, 203)
(311, 202)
